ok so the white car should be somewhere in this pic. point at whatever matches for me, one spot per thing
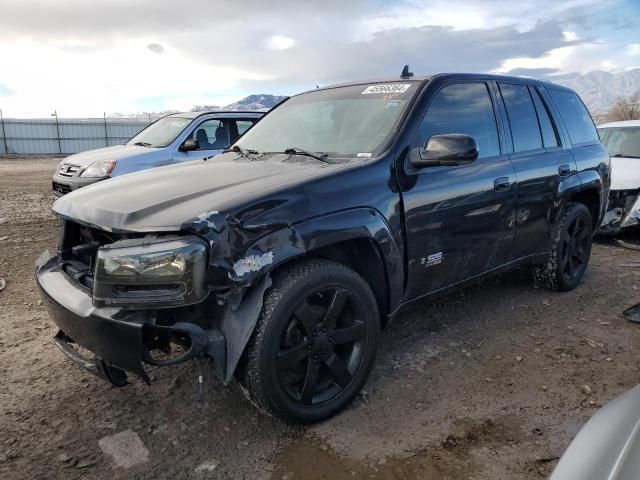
(622, 139)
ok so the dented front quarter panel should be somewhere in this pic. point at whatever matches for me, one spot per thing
(249, 242)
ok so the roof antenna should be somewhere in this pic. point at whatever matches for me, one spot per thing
(406, 73)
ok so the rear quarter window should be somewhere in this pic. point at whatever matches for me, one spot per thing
(575, 115)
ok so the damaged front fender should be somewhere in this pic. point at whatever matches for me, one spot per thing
(242, 253)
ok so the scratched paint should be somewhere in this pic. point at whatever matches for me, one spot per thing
(252, 263)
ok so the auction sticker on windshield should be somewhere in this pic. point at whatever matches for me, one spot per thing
(387, 88)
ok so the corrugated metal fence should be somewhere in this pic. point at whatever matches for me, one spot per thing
(64, 136)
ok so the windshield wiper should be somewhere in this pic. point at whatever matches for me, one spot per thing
(618, 155)
(245, 152)
(143, 144)
(299, 151)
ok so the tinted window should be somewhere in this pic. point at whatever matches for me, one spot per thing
(622, 142)
(211, 135)
(463, 108)
(549, 137)
(576, 117)
(355, 120)
(525, 130)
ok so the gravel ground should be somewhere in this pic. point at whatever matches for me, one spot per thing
(491, 382)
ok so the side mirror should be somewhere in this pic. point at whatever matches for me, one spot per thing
(189, 145)
(449, 149)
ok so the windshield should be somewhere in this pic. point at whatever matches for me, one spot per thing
(160, 133)
(345, 121)
(621, 142)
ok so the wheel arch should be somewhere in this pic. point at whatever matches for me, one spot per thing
(363, 256)
(590, 198)
(586, 187)
(358, 238)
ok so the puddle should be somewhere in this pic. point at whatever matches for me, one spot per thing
(307, 458)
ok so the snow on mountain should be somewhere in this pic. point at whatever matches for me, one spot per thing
(261, 102)
(598, 89)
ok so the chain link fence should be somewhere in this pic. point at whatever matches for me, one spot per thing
(64, 136)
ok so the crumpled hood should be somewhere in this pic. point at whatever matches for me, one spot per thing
(165, 198)
(625, 173)
(117, 152)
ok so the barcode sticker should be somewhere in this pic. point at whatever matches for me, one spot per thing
(387, 88)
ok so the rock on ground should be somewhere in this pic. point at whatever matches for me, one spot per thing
(125, 448)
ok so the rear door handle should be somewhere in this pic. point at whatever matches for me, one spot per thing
(564, 170)
(501, 184)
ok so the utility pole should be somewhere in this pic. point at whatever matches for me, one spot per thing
(106, 132)
(55, 114)
(4, 134)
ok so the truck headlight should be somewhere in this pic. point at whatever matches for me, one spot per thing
(144, 273)
(99, 169)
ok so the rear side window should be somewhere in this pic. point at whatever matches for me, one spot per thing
(463, 108)
(525, 130)
(576, 117)
(549, 137)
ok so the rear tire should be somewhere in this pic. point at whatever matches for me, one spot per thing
(570, 251)
(314, 344)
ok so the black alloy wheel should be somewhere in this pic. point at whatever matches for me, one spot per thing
(576, 247)
(315, 342)
(571, 240)
(321, 346)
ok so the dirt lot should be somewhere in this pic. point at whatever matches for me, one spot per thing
(487, 383)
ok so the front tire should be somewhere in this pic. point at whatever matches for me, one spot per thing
(570, 250)
(314, 344)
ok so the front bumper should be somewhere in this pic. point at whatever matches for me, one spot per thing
(62, 185)
(117, 339)
(623, 213)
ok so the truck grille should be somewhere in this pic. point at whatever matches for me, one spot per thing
(60, 188)
(68, 170)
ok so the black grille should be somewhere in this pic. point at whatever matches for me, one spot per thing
(60, 188)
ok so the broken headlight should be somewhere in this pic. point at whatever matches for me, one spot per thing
(150, 274)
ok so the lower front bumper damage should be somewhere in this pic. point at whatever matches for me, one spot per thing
(117, 341)
(624, 211)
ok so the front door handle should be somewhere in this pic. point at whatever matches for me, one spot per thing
(564, 170)
(501, 184)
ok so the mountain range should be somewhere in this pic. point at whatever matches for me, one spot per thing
(259, 102)
(598, 89)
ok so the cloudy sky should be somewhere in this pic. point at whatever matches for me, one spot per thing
(83, 57)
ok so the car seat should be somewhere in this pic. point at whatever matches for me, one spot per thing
(222, 139)
(203, 139)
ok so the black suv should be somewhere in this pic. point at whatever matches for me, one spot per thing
(281, 259)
